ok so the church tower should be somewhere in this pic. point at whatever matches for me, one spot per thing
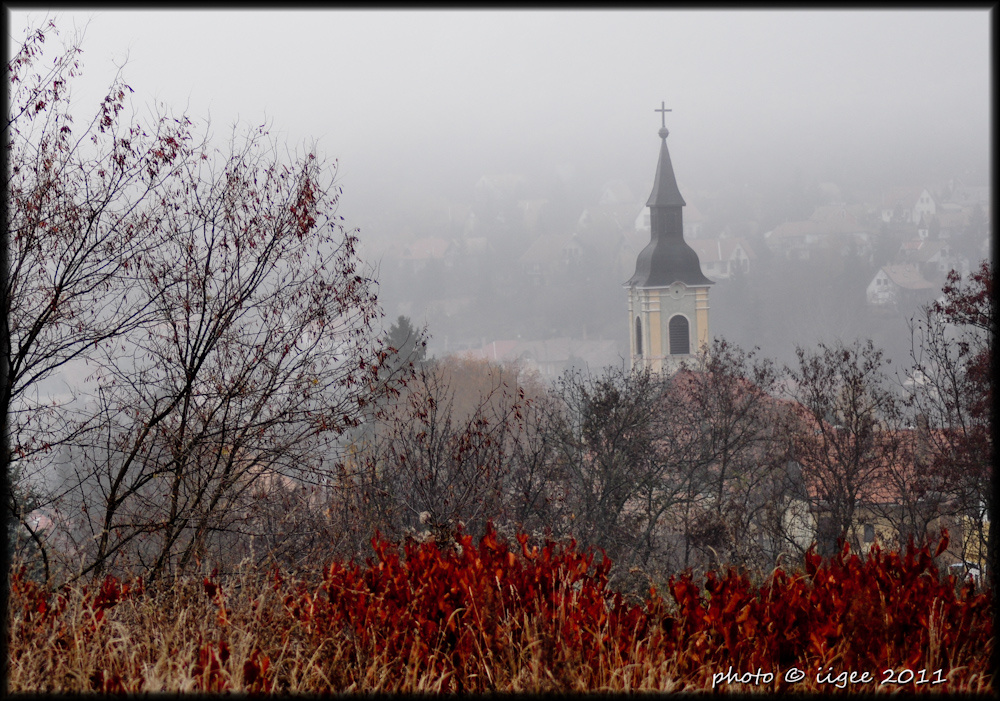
(668, 294)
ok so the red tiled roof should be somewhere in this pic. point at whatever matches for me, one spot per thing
(893, 471)
(907, 276)
(923, 250)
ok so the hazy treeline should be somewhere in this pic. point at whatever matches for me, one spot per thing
(732, 461)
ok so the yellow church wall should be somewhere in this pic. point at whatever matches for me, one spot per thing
(701, 309)
(655, 339)
(654, 307)
(631, 323)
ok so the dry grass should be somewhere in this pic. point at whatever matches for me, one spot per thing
(157, 642)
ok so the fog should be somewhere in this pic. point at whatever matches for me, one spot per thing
(418, 107)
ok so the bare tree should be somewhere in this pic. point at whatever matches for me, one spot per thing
(222, 303)
(616, 461)
(440, 455)
(845, 433)
(727, 399)
(81, 203)
(536, 491)
(951, 383)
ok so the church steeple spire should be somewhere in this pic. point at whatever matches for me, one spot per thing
(667, 258)
(665, 191)
(668, 294)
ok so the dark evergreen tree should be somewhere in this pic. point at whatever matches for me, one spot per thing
(409, 342)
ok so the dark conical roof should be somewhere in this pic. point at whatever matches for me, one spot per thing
(667, 258)
(666, 261)
(665, 191)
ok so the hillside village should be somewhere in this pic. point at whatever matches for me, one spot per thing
(522, 271)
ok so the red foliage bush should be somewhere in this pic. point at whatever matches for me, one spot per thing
(886, 611)
(460, 610)
(465, 615)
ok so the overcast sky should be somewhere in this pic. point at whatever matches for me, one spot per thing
(431, 100)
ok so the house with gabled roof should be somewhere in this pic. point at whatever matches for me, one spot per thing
(796, 240)
(831, 228)
(418, 253)
(896, 489)
(897, 283)
(721, 258)
(551, 254)
(907, 204)
(933, 258)
(896, 500)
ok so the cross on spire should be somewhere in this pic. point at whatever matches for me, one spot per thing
(663, 113)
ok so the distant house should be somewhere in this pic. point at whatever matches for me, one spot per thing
(795, 239)
(420, 252)
(848, 228)
(907, 205)
(720, 258)
(924, 227)
(933, 258)
(531, 211)
(837, 228)
(951, 220)
(549, 255)
(898, 283)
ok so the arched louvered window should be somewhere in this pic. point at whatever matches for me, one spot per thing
(680, 341)
(638, 336)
